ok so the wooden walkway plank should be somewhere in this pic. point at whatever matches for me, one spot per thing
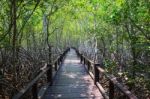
(72, 81)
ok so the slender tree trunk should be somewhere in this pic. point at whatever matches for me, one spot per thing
(133, 42)
(117, 49)
(11, 21)
(48, 44)
(117, 42)
(34, 41)
(104, 47)
(132, 38)
(14, 39)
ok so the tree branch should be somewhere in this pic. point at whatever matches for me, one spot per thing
(29, 17)
(140, 29)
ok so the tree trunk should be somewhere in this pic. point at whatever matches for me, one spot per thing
(14, 39)
(48, 44)
(132, 38)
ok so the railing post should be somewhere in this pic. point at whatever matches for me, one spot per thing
(34, 91)
(49, 74)
(111, 90)
(69, 49)
(84, 60)
(81, 58)
(56, 66)
(61, 58)
(58, 61)
(77, 52)
(96, 73)
(88, 66)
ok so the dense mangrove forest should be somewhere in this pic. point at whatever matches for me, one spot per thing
(112, 33)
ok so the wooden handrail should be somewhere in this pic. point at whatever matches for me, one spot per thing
(23, 91)
(46, 69)
(112, 79)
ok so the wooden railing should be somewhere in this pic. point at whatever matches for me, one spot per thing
(48, 70)
(107, 83)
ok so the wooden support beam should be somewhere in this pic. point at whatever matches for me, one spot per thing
(49, 74)
(56, 63)
(81, 58)
(88, 66)
(96, 73)
(111, 90)
(84, 60)
(34, 91)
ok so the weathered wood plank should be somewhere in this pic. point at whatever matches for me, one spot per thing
(72, 81)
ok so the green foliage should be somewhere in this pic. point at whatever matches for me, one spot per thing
(110, 66)
(121, 28)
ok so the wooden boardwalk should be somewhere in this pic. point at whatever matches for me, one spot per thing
(72, 81)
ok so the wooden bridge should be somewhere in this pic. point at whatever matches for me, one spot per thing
(73, 76)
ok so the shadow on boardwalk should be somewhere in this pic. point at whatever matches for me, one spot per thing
(72, 81)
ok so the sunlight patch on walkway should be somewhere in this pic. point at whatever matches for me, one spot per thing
(72, 61)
